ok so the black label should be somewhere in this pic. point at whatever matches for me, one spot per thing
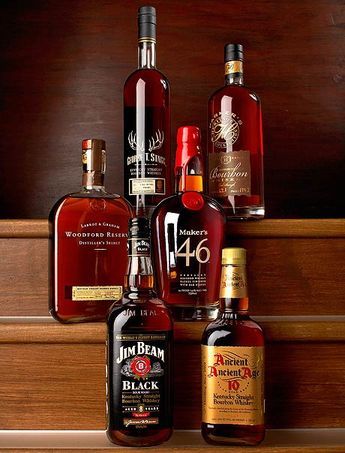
(141, 375)
(146, 151)
(139, 247)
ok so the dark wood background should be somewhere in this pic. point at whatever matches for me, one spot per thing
(63, 65)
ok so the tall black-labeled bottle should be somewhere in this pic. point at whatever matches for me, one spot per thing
(146, 100)
(139, 353)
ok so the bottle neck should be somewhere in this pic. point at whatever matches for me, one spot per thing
(147, 55)
(139, 276)
(233, 296)
(234, 72)
(93, 180)
(189, 177)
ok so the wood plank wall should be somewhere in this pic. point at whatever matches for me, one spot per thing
(63, 65)
(53, 376)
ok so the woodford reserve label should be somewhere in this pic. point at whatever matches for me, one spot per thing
(232, 385)
(229, 173)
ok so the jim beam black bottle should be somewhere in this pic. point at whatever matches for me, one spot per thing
(139, 345)
(233, 363)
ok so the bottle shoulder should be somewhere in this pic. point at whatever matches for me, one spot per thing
(83, 201)
(235, 91)
(175, 204)
(233, 332)
(146, 312)
(151, 76)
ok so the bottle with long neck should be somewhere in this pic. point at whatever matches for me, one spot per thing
(139, 353)
(233, 363)
(88, 245)
(187, 235)
(235, 146)
(147, 168)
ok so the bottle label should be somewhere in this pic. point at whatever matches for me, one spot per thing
(229, 173)
(147, 186)
(145, 151)
(233, 283)
(141, 374)
(225, 130)
(85, 293)
(233, 385)
(139, 247)
(192, 257)
(234, 66)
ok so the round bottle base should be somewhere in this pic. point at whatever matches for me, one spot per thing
(183, 313)
(245, 213)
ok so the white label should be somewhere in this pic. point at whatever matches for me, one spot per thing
(147, 186)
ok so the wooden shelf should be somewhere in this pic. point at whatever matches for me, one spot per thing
(278, 228)
(282, 441)
(276, 328)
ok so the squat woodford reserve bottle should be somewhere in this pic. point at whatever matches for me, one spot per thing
(88, 257)
(139, 342)
(147, 166)
(187, 236)
(233, 363)
(235, 148)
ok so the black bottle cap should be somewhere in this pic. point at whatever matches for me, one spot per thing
(139, 227)
(233, 52)
(147, 21)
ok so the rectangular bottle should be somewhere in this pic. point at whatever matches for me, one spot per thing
(233, 363)
(88, 253)
(139, 349)
(187, 236)
(235, 147)
(147, 167)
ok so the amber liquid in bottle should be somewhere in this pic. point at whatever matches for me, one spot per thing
(233, 364)
(88, 257)
(147, 165)
(139, 351)
(187, 236)
(235, 144)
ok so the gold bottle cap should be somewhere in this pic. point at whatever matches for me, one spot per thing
(234, 255)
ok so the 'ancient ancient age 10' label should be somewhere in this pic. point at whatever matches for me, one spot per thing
(232, 385)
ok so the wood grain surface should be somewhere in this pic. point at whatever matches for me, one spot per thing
(62, 386)
(295, 267)
(63, 65)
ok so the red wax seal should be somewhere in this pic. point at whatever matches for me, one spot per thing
(140, 366)
(192, 200)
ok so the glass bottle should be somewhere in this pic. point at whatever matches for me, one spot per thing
(140, 332)
(235, 146)
(187, 235)
(147, 166)
(88, 258)
(233, 363)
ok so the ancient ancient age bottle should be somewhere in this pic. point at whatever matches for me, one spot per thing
(139, 343)
(187, 235)
(88, 258)
(147, 167)
(235, 149)
(233, 363)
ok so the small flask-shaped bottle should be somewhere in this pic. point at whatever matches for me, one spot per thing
(140, 332)
(233, 363)
(187, 236)
(235, 147)
(88, 250)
